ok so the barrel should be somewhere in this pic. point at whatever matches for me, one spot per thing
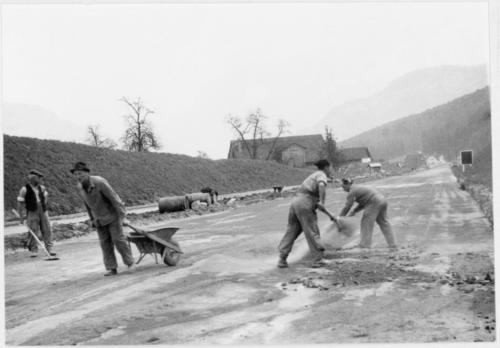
(172, 203)
(199, 196)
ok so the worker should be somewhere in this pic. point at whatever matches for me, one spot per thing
(302, 216)
(374, 205)
(33, 197)
(107, 212)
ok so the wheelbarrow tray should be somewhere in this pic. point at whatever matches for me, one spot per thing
(161, 236)
(153, 241)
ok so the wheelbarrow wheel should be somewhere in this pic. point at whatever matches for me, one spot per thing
(171, 256)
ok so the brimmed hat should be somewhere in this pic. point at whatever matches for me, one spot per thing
(80, 166)
(36, 172)
(322, 163)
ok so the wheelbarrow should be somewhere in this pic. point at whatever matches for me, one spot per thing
(156, 242)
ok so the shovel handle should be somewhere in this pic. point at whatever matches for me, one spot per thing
(327, 213)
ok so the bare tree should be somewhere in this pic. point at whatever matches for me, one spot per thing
(95, 138)
(139, 135)
(252, 130)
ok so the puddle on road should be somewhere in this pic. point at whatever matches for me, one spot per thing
(440, 266)
(359, 295)
(445, 289)
(297, 296)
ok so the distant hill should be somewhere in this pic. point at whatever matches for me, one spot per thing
(412, 93)
(461, 124)
(137, 177)
(38, 122)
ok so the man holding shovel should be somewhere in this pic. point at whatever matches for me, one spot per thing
(106, 211)
(374, 205)
(33, 196)
(302, 215)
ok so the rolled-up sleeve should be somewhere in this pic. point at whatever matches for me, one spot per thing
(22, 194)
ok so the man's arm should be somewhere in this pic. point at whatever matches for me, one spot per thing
(356, 209)
(20, 204)
(89, 211)
(348, 204)
(322, 192)
(113, 198)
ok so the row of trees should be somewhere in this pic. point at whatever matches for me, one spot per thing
(139, 134)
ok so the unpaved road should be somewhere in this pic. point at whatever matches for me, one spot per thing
(226, 288)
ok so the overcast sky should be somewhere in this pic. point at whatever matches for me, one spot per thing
(196, 63)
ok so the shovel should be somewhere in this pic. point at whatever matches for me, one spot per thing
(344, 227)
(50, 257)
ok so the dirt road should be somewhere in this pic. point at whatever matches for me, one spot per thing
(227, 289)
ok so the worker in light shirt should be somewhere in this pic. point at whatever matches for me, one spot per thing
(374, 205)
(302, 215)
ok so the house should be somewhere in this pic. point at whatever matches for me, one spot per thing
(375, 167)
(295, 151)
(355, 154)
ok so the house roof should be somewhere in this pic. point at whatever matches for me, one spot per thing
(311, 143)
(354, 153)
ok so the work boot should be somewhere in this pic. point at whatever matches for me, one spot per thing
(111, 272)
(33, 253)
(282, 262)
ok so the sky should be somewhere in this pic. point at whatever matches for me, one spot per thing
(195, 64)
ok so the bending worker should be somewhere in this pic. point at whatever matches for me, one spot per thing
(302, 216)
(375, 209)
(106, 211)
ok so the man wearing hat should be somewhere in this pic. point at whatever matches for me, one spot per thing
(374, 205)
(302, 215)
(106, 211)
(33, 196)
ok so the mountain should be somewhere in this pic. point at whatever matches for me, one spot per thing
(38, 122)
(410, 94)
(461, 124)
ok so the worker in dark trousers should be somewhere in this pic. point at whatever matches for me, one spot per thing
(374, 205)
(302, 216)
(33, 196)
(107, 212)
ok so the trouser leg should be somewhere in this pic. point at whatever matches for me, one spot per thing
(367, 223)
(46, 230)
(108, 253)
(293, 230)
(308, 219)
(120, 242)
(385, 226)
(33, 222)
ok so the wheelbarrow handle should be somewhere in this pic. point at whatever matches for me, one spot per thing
(135, 228)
